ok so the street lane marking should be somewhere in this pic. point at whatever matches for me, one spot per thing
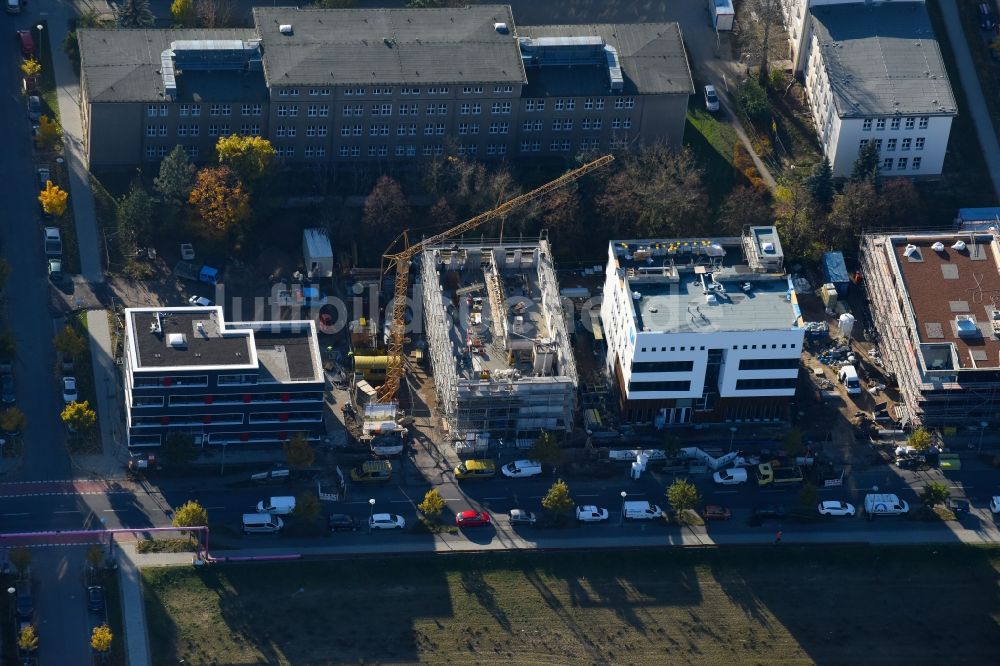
(68, 511)
(725, 492)
(595, 495)
(214, 507)
(17, 514)
(505, 497)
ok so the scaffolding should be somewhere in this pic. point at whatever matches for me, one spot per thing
(525, 380)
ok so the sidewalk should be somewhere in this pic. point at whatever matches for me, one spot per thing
(133, 606)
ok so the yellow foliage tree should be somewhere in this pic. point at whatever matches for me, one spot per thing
(27, 640)
(101, 638)
(31, 67)
(249, 156)
(48, 135)
(219, 199)
(54, 199)
(183, 13)
(78, 416)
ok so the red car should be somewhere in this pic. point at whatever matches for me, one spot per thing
(716, 512)
(26, 42)
(472, 518)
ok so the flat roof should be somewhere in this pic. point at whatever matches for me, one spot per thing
(124, 66)
(388, 46)
(942, 286)
(882, 59)
(652, 57)
(193, 338)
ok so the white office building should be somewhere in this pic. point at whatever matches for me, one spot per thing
(701, 330)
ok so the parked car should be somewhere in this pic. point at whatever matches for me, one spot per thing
(55, 270)
(7, 394)
(711, 99)
(716, 512)
(995, 504)
(95, 599)
(959, 507)
(836, 508)
(913, 463)
(69, 389)
(591, 514)
(521, 517)
(34, 108)
(199, 301)
(341, 522)
(67, 362)
(767, 512)
(24, 603)
(476, 469)
(386, 521)
(730, 477)
(472, 518)
(521, 468)
(26, 42)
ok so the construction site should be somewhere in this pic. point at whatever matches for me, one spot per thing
(935, 308)
(497, 339)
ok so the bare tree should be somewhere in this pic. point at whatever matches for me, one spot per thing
(767, 19)
(214, 13)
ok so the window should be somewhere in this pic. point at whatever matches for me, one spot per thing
(378, 129)
(499, 128)
(922, 123)
(890, 144)
(616, 123)
(213, 130)
(758, 384)
(659, 386)
(409, 91)
(463, 128)
(213, 110)
(462, 110)
(906, 143)
(589, 144)
(916, 163)
(147, 401)
(887, 164)
(919, 144)
(254, 110)
(568, 124)
(525, 146)
(536, 146)
(353, 110)
(355, 91)
(910, 122)
(473, 128)
(866, 124)
(599, 104)
(247, 129)
(663, 366)
(428, 150)
(878, 145)
(163, 130)
(344, 151)
(151, 130)
(559, 105)
(894, 124)
(408, 110)
(765, 364)
(381, 109)
(320, 151)
(236, 380)
(311, 131)
(288, 92)
(472, 90)
(626, 103)
(880, 124)
(183, 110)
(529, 105)
(194, 130)
(864, 142)
(500, 108)
(570, 104)
(901, 164)
(437, 91)
(151, 110)
(286, 152)
(381, 91)
(311, 111)
(497, 90)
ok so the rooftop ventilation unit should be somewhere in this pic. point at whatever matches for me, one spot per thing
(938, 247)
(636, 295)
(614, 68)
(966, 327)
(911, 250)
(285, 28)
(177, 340)
(167, 74)
(501, 28)
(767, 247)
(959, 245)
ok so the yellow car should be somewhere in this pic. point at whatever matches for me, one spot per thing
(476, 469)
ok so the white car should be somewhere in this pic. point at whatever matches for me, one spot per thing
(386, 521)
(730, 477)
(995, 504)
(591, 514)
(520, 469)
(199, 301)
(711, 99)
(69, 389)
(836, 508)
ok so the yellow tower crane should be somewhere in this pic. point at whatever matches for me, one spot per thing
(401, 262)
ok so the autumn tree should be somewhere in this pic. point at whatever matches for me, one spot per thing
(299, 452)
(176, 178)
(795, 217)
(557, 499)
(31, 68)
(100, 639)
(767, 22)
(49, 134)
(443, 214)
(856, 207)
(249, 157)
(682, 495)
(183, 13)
(68, 341)
(133, 14)
(935, 493)
(20, 557)
(386, 208)
(78, 416)
(190, 514)
(179, 449)
(560, 210)
(433, 504)
(95, 555)
(546, 450)
(752, 97)
(27, 639)
(307, 506)
(214, 13)
(12, 420)
(220, 200)
(656, 192)
(920, 439)
(54, 199)
(744, 207)
(470, 187)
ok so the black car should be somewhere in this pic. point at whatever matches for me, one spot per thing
(340, 522)
(768, 512)
(7, 389)
(959, 507)
(913, 463)
(95, 598)
(521, 517)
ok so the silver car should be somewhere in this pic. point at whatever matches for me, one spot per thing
(711, 99)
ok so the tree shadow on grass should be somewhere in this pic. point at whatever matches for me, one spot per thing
(475, 585)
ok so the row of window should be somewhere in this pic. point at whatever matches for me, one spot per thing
(769, 363)
(141, 401)
(570, 104)
(658, 386)
(312, 110)
(290, 131)
(894, 123)
(662, 366)
(901, 164)
(759, 384)
(890, 144)
(225, 419)
(294, 92)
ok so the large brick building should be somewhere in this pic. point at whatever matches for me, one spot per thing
(378, 84)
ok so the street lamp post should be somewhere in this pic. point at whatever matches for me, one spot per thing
(621, 521)
(371, 512)
(11, 591)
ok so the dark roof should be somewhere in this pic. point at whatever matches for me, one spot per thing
(882, 59)
(388, 46)
(652, 55)
(297, 349)
(201, 349)
(124, 66)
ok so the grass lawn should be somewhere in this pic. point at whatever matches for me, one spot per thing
(742, 605)
(713, 144)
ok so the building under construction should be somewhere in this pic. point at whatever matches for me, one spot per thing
(935, 305)
(497, 338)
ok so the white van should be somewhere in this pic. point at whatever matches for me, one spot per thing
(261, 523)
(849, 378)
(730, 477)
(281, 506)
(885, 505)
(521, 468)
(642, 511)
